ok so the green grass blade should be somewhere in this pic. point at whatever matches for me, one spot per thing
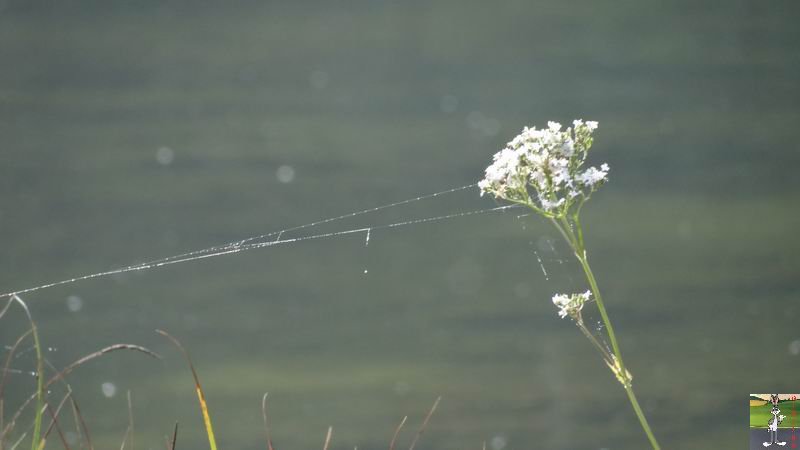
(37, 423)
(212, 441)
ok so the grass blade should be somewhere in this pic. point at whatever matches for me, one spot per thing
(58, 411)
(19, 441)
(67, 370)
(37, 420)
(424, 423)
(7, 364)
(125, 438)
(78, 432)
(5, 308)
(266, 421)
(174, 437)
(328, 438)
(85, 429)
(54, 415)
(130, 417)
(397, 432)
(212, 442)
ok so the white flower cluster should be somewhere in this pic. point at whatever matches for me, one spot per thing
(571, 305)
(542, 168)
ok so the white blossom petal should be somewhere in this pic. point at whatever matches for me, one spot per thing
(547, 161)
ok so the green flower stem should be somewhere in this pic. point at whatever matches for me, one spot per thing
(592, 338)
(576, 242)
(642, 419)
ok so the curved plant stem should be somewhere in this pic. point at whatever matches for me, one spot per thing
(37, 421)
(615, 347)
(573, 234)
(593, 340)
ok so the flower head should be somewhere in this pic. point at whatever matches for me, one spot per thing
(542, 168)
(571, 305)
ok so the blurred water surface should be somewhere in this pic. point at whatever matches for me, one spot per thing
(137, 130)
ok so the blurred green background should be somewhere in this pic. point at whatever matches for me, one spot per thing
(136, 130)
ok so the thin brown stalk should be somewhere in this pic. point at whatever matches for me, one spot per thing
(266, 421)
(174, 437)
(83, 423)
(424, 423)
(125, 438)
(63, 401)
(68, 396)
(78, 431)
(201, 396)
(58, 411)
(39, 395)
(397, 432)
(130, 417)
(27, 430)
(16, 444)
(54, 415)
(67, 370)
(6, 366)
(111, 348)
(5, 308)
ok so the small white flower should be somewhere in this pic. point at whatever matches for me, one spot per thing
(545, 162)
(562, 302)
(593, 177)
(484, 186)
(549, 205)
(571, 305)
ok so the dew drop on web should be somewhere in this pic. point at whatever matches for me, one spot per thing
(541, 265)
